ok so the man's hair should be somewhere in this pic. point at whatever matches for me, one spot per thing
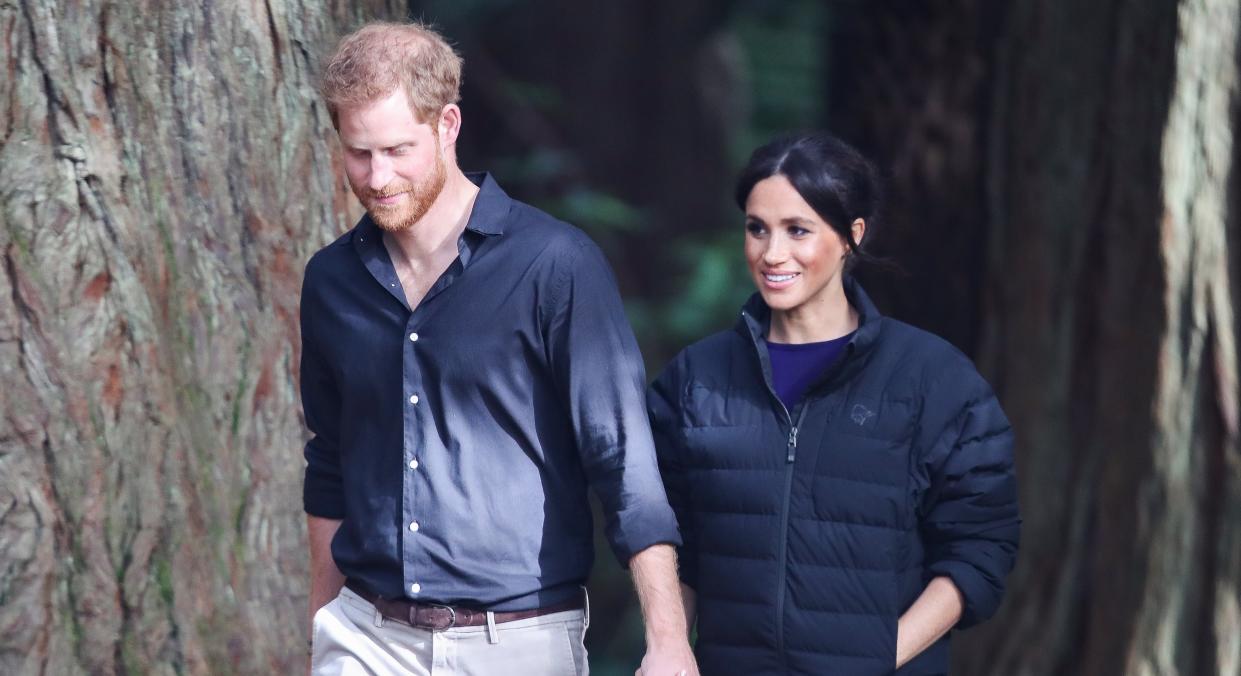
(373, 61)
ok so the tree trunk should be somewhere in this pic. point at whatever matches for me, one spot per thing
(1102, 137)
(165, 171)
(911, 84)
(1112, 328)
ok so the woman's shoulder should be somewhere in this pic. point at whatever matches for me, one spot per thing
(895, 335)
(707, 354)
(912, 351)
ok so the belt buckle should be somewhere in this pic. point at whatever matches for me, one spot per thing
(433, 626)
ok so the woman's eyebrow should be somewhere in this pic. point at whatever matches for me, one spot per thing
(796, 220)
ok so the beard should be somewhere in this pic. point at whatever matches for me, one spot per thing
(419, 198)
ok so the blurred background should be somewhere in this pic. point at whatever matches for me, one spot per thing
(1061, 202)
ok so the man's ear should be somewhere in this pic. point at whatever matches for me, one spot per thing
(449, 124)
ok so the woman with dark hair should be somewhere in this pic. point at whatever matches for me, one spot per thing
(844, 482)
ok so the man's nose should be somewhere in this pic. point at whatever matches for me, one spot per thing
(381, 171)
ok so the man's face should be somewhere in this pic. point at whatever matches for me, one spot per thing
(395, 163)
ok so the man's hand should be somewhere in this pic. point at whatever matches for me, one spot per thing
(659, 592)
(668, 660)
(325, 579)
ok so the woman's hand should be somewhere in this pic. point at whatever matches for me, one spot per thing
(935, 612)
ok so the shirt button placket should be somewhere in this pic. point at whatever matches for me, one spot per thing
(411, 443)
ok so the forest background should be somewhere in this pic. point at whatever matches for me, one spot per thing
(1062, 198)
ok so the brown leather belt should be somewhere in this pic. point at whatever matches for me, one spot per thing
(435, 617)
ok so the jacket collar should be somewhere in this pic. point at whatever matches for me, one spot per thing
(756, 315)
(755, 320)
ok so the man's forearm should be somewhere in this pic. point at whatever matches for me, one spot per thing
(935, 611)
(689, 599)
(325, 578)
(659, 592)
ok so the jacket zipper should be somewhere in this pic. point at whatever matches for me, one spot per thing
(782, 561)
(785, 508)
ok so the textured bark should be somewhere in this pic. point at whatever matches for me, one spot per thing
(165, 172)
(1112, 336)
(1086, 150)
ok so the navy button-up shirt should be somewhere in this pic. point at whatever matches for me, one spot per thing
(456, 439)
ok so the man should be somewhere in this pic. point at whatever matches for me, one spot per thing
(466, 371)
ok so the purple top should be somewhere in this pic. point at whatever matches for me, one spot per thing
(796, 367)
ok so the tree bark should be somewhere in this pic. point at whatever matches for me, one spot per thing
(165, 171)
(1086, 151)
(1112, 334)
(910, 83)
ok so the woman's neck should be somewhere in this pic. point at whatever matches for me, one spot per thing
(814, 321)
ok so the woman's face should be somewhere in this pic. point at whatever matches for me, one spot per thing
(795, 257)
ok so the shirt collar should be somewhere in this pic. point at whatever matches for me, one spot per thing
(487, 217)
(491, 206)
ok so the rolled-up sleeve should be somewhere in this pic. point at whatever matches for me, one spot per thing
(600, 377)
(969, 517)
(323, 489)
(663, 403)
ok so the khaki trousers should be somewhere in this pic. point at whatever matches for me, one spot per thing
(352, 638)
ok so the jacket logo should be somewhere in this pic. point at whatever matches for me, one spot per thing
(860, 414)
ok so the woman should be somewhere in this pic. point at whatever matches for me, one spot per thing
(844, 482)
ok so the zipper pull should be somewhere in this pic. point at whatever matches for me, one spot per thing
(792, 443)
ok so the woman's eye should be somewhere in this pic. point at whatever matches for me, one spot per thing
(798, 232)
(754, 228)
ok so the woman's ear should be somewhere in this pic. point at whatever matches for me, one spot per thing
(858, 230)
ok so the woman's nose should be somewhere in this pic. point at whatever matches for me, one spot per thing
(776, 251)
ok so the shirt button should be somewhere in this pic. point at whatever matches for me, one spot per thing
(413, 399)
(413, 526)
(413, 464)
(415, 588)
(413, 337)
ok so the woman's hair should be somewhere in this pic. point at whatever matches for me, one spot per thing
(834, 178)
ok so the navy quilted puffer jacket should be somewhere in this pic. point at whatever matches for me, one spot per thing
(809, 532)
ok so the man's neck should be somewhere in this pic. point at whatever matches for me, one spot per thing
(439, 228)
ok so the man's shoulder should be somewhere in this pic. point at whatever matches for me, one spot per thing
(532, 222)
(331, 257)
(548, 239)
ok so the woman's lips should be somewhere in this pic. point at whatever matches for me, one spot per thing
(779, 280)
